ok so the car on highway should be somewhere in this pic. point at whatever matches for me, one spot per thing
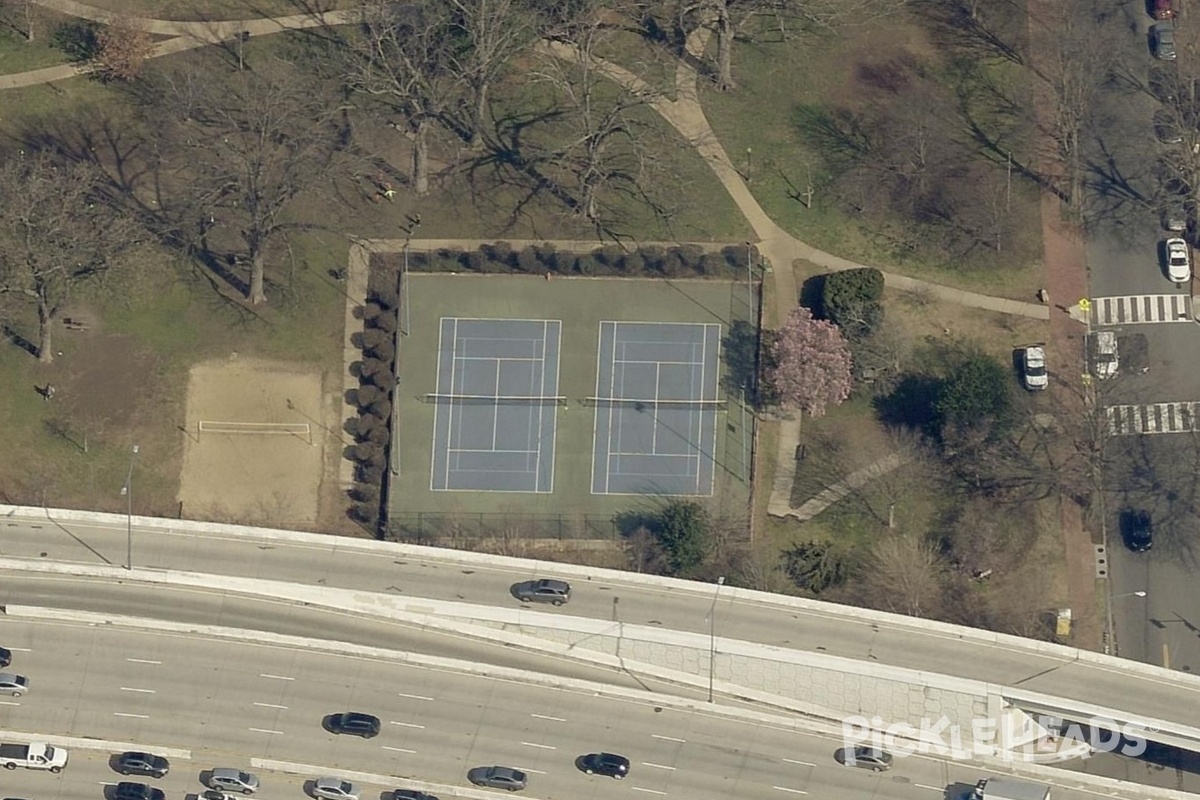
(233, 780)
(335, 789)
(498, 778)
(871, 758)
(142, 764)
(1137, 529)
(610, 764)
(411, 794)
(1033, 368)
(1179, 260)
(1105, 360)
(1162, 40)
(13, 684)
(127, 790)
(545, 590)
(353, 723)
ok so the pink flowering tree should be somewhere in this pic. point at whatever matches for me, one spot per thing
(809, 365)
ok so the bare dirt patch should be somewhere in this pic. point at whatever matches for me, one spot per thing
(253, 478)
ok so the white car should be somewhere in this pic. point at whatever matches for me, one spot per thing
(1104, 354)
(335, 789)
(1033, 368)
(1179, 261)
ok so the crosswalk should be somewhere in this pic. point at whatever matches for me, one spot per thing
(1138, 309)
(1153, 418)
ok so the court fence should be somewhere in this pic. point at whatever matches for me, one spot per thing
(416, 527)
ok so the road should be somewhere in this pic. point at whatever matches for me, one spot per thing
(245, 706)
(337, 564)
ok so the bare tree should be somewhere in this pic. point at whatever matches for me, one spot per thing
(57, 233)
(25, 9)
(907, 575)
(123, 46)
(248, 146)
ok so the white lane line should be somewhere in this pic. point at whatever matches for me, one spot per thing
(541, 746)
(267, 730)
(271, 705)
(647, 791)
(134, 716)
(275, 677)
(21, 649)
(801, 763)
(543, 716)
(400, 750)
(786, 789)
(142, 661)
(657, 766)
(143, 691)
(9, 703)
(413, 696)
(406, 724)
(667, 738)
(935, 788)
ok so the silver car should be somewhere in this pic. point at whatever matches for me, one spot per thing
(11, 683)
(498, 778)
(543, 591)
(233, 780)
(335, 789)
(1162, 40)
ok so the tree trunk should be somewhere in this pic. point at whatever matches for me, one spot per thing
(256, 295)
(45, 331)
(29, 20)
(477, 123)
(421, 160)
(725, 80)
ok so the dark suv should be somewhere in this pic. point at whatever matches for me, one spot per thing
(543, 591)
(142, 764)
(352, 723)
(610, 764)
(1136, 529)
(127, 790)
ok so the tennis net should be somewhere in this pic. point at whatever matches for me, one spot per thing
(495, 400)
(655, 405)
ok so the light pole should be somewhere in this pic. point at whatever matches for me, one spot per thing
(1108, 607)
(127, 493)
(1129, 594)
(712, 635)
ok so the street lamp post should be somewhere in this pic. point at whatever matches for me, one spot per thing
(712, 636)
(127, 493)
(1108, 606)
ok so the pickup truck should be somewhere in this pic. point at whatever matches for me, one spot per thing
(33, 756)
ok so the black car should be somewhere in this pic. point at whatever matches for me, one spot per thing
(5, 657)
(610, 764)
(352, 723)
(412, 794)
(142, 764)
(137, 791)
(1137, 530)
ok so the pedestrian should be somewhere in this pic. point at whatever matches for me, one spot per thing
(1043, 297)
(48, 392)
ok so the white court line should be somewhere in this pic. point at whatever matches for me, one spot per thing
(647, 791)
(540, 746)
(657, 766)
(133, 716)
(413, 696)
(668, 738)
(406, 724)
(143, 691)
(275, 677)
(543, 716)
(801, 763)
(271, 705)
(267, 730)
(786, 789)
(400, 750)
(142, 661)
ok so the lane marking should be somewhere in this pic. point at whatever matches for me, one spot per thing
(406, 724)
(934, 788)
(22, 650)
(267, 730)
(133, 716)
(413, 696)
(647, 791)
(271, 705)
(275, 677)
(9, 703)
(143, 691)
(400, 750)
(786, 789)
(534, 771)
(543, 716)
(668, 738)
(542, 746)
(657, 766)
(142, 661)
(801, 763)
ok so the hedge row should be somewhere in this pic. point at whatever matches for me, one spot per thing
(645, 262)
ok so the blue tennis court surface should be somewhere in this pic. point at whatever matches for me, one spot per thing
(495, 417)
(656, 408)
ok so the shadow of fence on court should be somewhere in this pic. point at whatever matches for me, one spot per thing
(418, 527)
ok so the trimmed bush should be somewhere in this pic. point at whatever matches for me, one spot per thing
(853, 300)
(611, 255)
(370, 473)
(365, 494)
(384, 350)
(368, 453)
(692, 253)
(585, 264)
(366, 395)
(635, 264)
(371, 312)
(527, 260)
(476, 262)
(672, 264)
(735, 256)
(652, 258)
(387, 323)
(380, 436)
(372, 337)
(385, 379)
(381, 408)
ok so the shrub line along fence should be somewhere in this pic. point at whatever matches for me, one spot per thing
(418, 526)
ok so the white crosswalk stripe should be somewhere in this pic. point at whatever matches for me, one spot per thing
(1153, 418)
(1137, 309)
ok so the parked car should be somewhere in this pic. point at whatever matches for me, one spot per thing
(610, 764)
(142, 764)
(335, 789)
(1162, 40)
(412, 794)
(1137, 529)
(1164, 9)
(870, 758)
(543, 591)
(1174, 214)
(1166, 128)
(1105, 361)
(353, 723)
(5, 657)
(498, 778)
(127, 790)
(1033, 368)
(1179, 260)
(13, 684)
(233, 780)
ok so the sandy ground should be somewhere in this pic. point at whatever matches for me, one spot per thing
(268, 479)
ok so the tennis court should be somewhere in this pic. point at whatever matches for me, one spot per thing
(496, 407)
(656, 404)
